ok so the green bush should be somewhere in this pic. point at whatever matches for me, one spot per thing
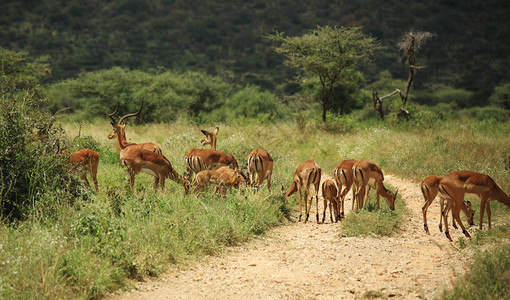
(166, 95)
(501, 96)
(444, 95)
(30, 143)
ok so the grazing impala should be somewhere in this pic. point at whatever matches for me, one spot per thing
(197, 160)
(330, 195)
(344, 179)
(154, 164)
(368, 175)
(429, 189)
(455, 185)
(84, 161)
(307, 174)
(225, 177)
(260, 167)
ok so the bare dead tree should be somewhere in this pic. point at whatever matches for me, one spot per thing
(409, 45)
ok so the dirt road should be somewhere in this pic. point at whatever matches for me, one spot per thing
(313, 261)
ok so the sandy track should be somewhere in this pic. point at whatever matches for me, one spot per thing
(313, 261)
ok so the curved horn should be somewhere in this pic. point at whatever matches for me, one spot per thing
(114, 113)
(131, 115)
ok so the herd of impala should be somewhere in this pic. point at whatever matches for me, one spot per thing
(213, 167)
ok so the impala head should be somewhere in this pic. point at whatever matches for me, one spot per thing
(390, 197)
(186, 184)
(209, 138)
(471, 212)
(119, 126)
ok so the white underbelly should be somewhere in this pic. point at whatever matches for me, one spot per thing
(150, 172)
(371, 183)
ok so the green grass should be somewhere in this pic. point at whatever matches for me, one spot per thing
(88, 248)
(371, 221)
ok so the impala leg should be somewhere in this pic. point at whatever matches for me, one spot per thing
(162, 184)
(316, 202)
(441, 202)
(445, 217)
(269, 183)
(488, 208)
(93, 174)
(364, 198)
(456, 215)
(482, 210)
(424, 211)
(83, 177)
(155, 183)
(454, 224)
(307, 212)
(325, 207)
(300, 211)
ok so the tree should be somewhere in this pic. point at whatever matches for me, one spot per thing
(329, 53)
(409, 45)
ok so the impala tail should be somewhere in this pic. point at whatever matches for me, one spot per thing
(293, 188)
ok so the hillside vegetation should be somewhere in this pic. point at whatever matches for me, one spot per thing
(225, 38)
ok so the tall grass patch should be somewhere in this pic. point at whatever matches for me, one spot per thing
(487, 277)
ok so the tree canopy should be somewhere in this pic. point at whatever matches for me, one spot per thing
(328, 53)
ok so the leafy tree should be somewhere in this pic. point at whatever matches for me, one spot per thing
(329, 53)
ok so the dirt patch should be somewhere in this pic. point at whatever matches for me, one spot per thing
(313, 261)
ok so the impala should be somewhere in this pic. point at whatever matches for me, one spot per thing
(119, 131)
(197, 160)
(452, 188)
(123, 146)
(307, 174)
(368, 175)
(429, 189)
(154, 164)
(225, 177)
(455, 185)
(344, 180)
(84, 161)
(330, 195)
(260, 167)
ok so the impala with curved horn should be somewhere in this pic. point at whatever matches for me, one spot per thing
(119, 130)
(145, 157)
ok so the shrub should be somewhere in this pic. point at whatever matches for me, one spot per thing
(30, 142)
(501, 96)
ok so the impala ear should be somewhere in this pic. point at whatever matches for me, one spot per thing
(231, 166)
(112, 123)
(216, 130)
(245, 166)
(396, 193)
(204, 131)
